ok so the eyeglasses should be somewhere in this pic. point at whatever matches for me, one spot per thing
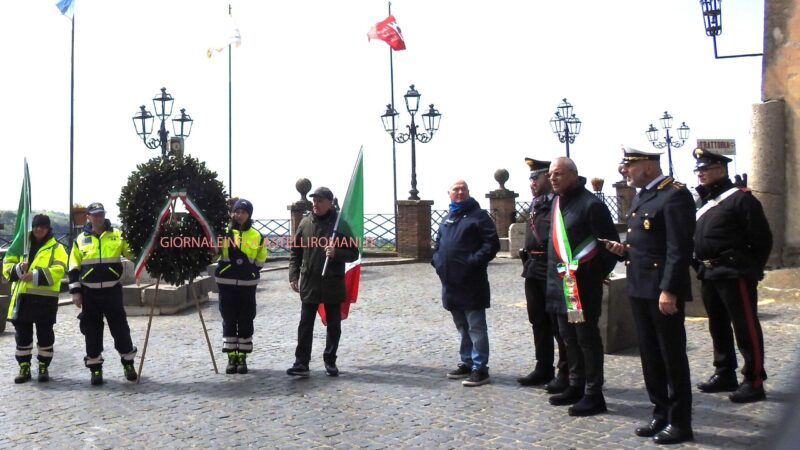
(557, 174)
(706, 168)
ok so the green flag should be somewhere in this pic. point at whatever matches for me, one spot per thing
(21, 243)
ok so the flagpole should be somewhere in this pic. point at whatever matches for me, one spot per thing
(394, 147)
(230, 119)
(71, 133)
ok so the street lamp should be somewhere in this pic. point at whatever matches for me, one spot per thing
(666, 124)
(565, 125)
(143, 122)
(712, 19)
(430, 121)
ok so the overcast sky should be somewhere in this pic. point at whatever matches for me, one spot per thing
(308, 90)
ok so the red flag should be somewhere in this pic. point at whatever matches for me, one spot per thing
(388, 31)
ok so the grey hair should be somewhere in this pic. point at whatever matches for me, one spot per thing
(567, 162)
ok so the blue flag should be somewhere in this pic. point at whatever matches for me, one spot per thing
(67, 7)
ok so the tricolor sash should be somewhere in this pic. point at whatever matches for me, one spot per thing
(568, 263)
(169, 206)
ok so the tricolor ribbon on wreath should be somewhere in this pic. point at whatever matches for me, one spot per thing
(568, 263)
(163, 215)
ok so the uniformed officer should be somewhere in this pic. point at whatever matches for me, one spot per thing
(732, 242)
(238, 273)
(34, 297)
(95, 268)
(534, 270)
(658, 252)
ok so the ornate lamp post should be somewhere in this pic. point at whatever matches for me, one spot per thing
(565, 125)
(430, 121)
(143, 122)
(712, 18)
(666, 124)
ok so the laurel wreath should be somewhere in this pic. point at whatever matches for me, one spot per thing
(141, 199)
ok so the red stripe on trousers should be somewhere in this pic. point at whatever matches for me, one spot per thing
(751, 330)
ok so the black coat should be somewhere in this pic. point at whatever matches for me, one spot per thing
(537, 237)
(466, 242)
(735, 235)
(307, 259)
(584, 216)
(659, 243)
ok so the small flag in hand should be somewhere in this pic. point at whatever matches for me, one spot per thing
(388, 31)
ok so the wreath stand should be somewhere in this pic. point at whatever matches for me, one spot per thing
(171, 210)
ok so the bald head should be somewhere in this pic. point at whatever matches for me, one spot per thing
(459, 191)
(563, 174)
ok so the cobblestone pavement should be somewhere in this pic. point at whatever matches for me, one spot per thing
(396, 347)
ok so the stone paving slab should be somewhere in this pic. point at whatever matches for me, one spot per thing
(396, 347)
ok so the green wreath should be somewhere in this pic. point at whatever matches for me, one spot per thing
(142, 199)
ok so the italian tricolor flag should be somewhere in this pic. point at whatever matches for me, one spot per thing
(352, 215)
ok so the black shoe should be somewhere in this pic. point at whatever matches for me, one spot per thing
(462, 371)
(233, 358)
(557, 385)
(24, 373)
(241, 363)
(569, 396)
(719, 383)
(129, 370)
(748, 394)
(652, 428)
(535, 378)
(331, 369)
(477, 377)
(44, 375)
(298, 370)
(97, 377)
(590, 405)
(673, 435)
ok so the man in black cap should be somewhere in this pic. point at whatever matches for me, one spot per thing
(95, 269)
(534, 270)
(732, 242)
(313, 244)
(657, 254)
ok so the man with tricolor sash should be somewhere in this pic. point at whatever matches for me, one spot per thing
(732, 242)
(95, 269)
(577, 267)
(657, 254)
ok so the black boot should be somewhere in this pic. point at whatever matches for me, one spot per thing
(129, 370)
(719, 383)
(24, 373)
(536, 378)
(241, 363)
(558, 384)
(590, 405)
(572, 394)
(748, 394)
(97, 374)
(233, 358)
(44, 375)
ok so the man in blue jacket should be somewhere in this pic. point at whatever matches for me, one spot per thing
(466, 242)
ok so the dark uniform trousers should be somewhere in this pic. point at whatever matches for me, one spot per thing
(662, 346)
(545, 328)
(735, 301)
(583, 342)
(305, 332)
(237, 307)
(23, 335)
(98, 303)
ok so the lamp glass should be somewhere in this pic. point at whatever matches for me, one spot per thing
(412, 100)
(683, 131)
(652, 133)
(666, 121)
(389, 119)
(143, 122)
(431, 120)
(163, 104)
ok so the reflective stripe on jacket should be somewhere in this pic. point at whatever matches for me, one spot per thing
(242, 257)
(48, 267)
(96, 261)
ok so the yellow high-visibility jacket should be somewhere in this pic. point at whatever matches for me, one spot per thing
(96, 261)
(48, 267)
(242, 257)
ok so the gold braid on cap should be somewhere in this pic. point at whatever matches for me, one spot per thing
(635, 158)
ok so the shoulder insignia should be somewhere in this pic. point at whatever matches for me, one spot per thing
(678, 185)
(664, 183)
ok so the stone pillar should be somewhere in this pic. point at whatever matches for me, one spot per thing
(502, 203)
(414, 229)
(767, 176)
(301, 207)
(625, 195)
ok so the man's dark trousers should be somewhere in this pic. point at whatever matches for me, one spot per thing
(305, 332)
(545, 328)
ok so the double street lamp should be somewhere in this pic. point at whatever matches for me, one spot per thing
(143, 123)
(431, 122)
(565, 125)
(666, 124)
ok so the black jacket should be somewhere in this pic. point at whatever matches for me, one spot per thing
(584, 216)
(733, 237)
(307, 258)
(659, 243)
(537, 237)
(466, 242)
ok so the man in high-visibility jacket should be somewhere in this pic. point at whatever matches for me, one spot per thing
(238, 272)
(95, 268)
(34, 297)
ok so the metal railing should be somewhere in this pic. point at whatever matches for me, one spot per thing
(611, 201)
(438, 215)
(380, 232)
(277, 233)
